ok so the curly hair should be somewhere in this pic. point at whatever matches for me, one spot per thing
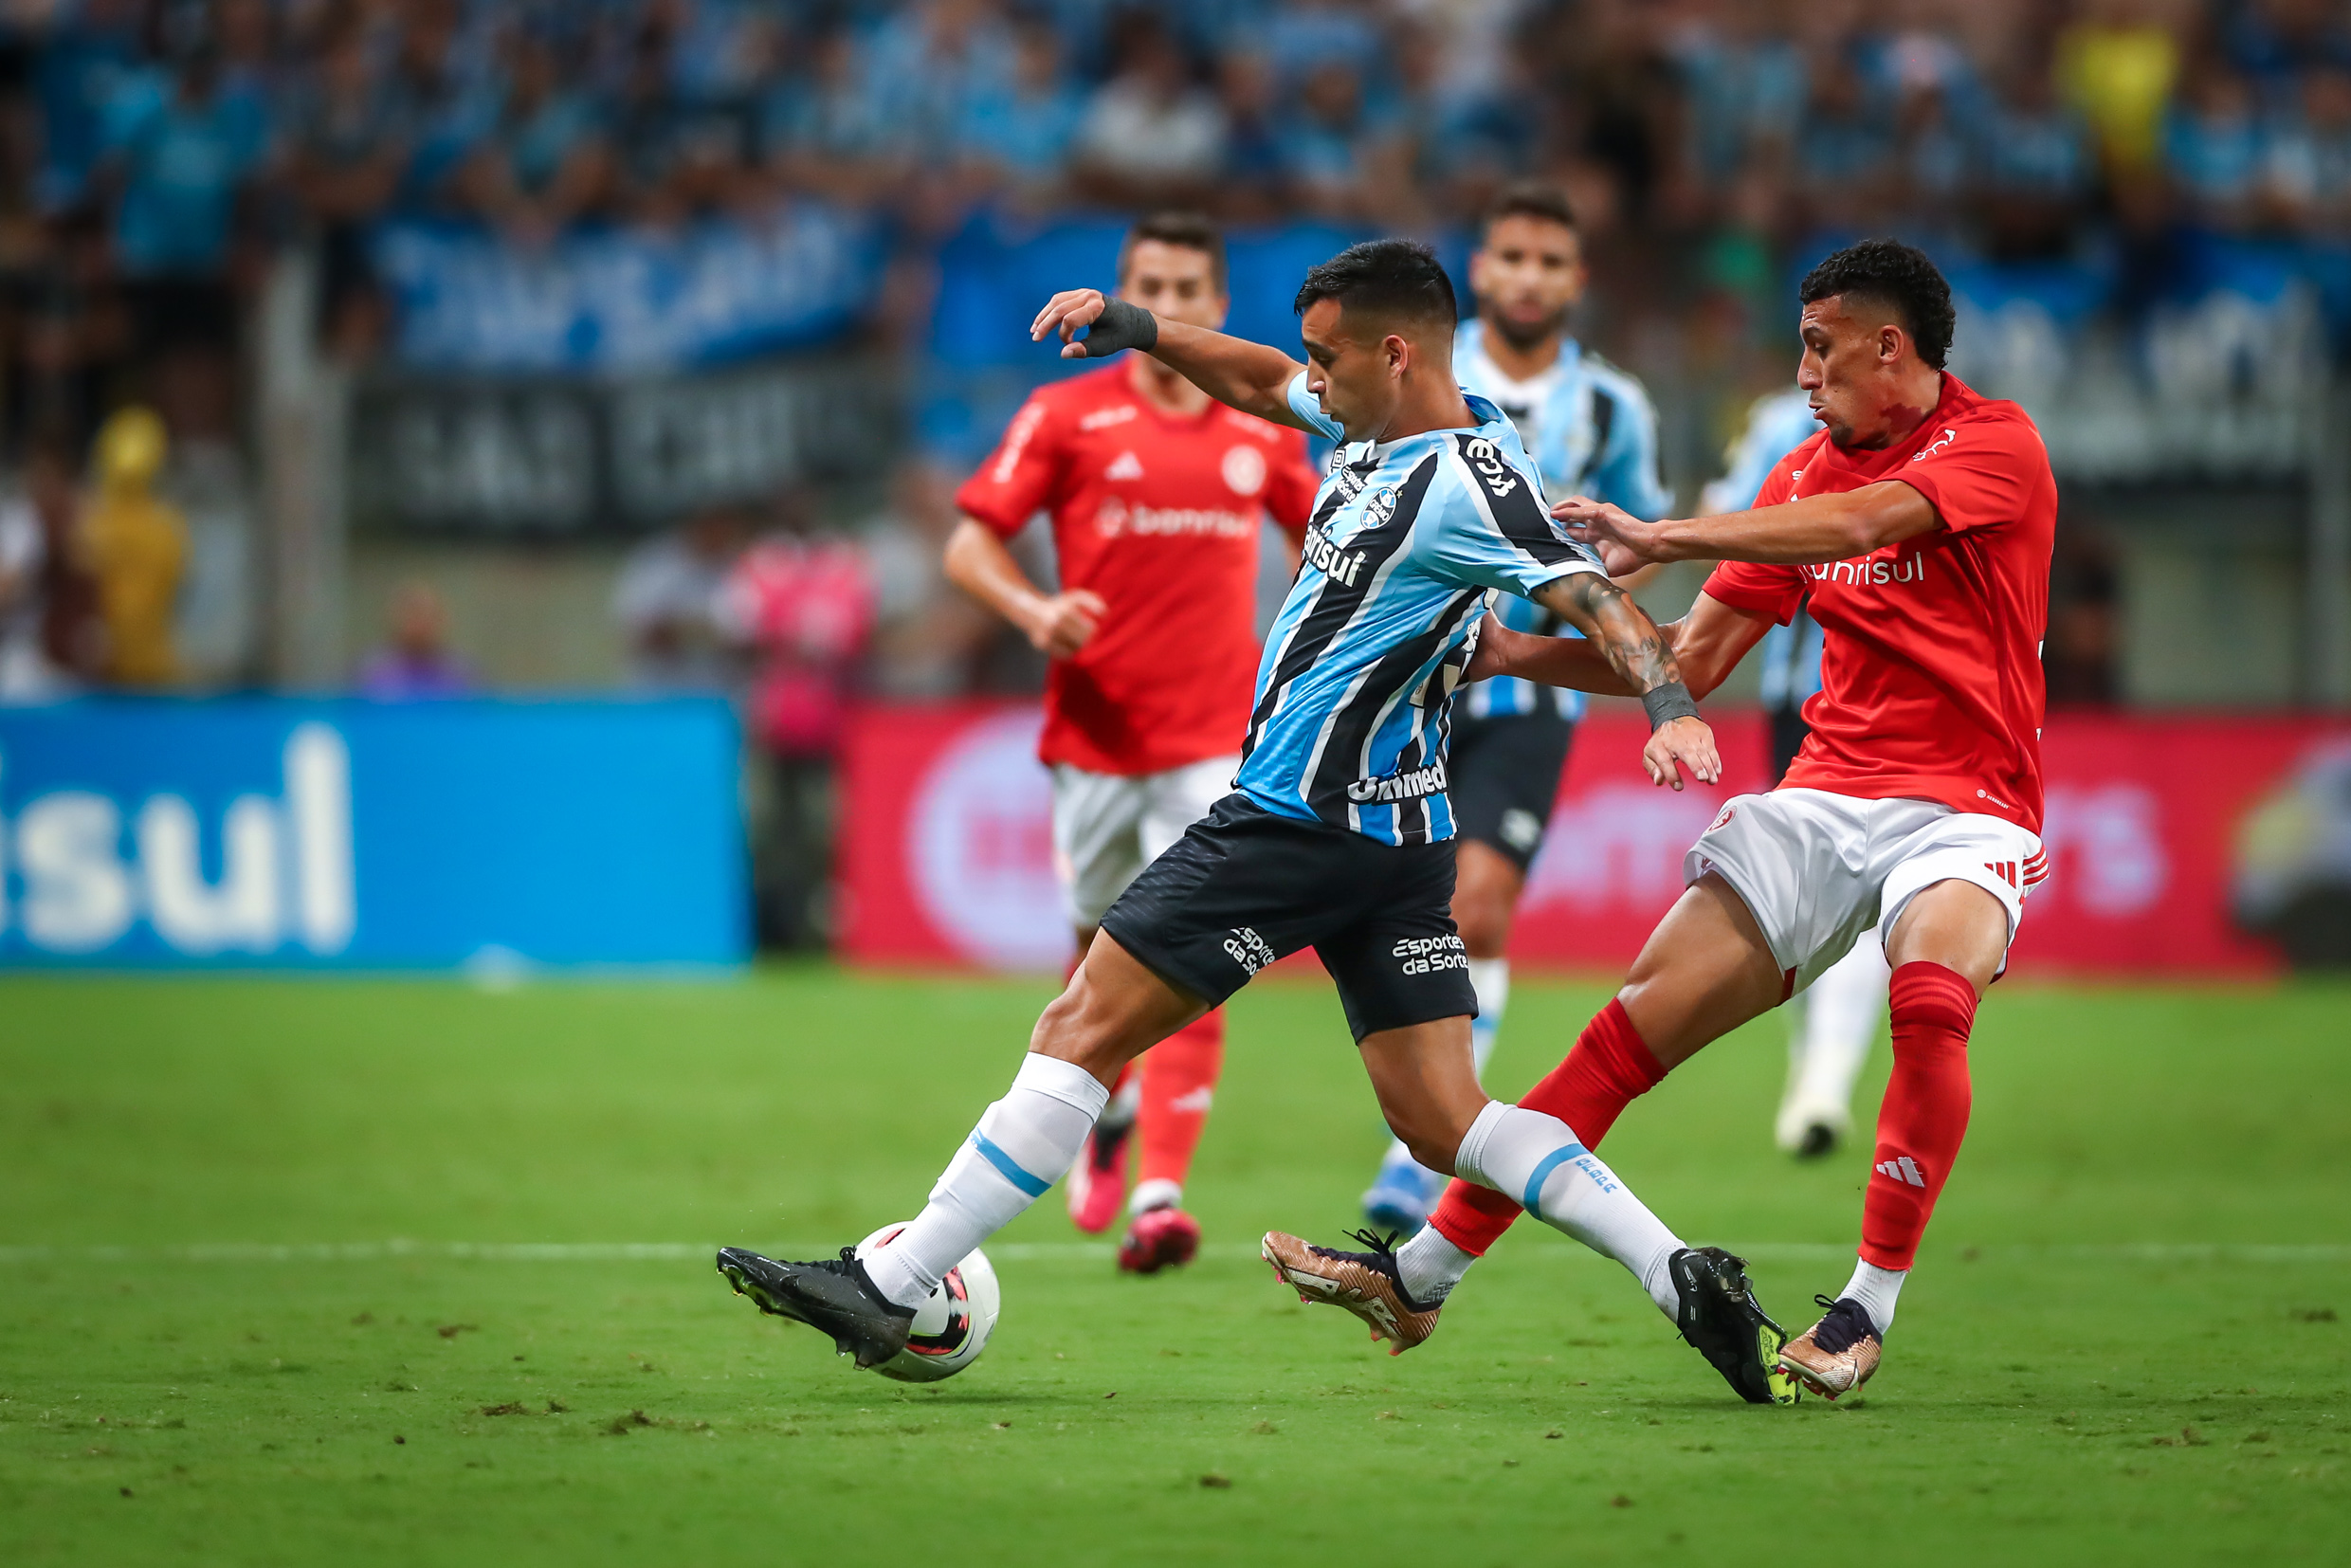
(1894, 275)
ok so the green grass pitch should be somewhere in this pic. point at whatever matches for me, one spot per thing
(2127, 1341)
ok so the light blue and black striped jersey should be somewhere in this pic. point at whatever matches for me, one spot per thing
(1776, 425)
(1355, 692)
(1591, 432)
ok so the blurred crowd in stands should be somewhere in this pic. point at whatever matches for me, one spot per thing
(151, 151)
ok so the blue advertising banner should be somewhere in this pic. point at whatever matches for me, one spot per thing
(343, 834)
(627, 299)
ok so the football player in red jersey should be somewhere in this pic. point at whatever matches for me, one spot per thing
(1921, 521)
(1156, 495)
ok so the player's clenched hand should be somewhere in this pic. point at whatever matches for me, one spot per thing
(1621, 538)
(1687, 742)
(1065, 623)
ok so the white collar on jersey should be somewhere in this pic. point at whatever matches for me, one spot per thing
(1470, 341)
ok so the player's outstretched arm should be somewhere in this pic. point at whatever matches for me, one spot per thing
(1249, 377)
(1814, 529)
(1639, 654)
(1706, 644)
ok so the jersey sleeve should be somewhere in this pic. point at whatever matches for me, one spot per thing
(1627, 474)
(1020, 475)
(1310, 413)
(1978, 473)
(1487, 527)
(1290, 484)
(1759, 588)
(1772, 589)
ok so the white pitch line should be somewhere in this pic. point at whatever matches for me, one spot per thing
(1071, 1252)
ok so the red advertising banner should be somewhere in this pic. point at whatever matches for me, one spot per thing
(947, 846)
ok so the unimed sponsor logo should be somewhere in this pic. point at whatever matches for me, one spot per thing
(1404, 786)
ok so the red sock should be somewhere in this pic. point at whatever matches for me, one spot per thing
(1925, 1115)
(1607, 1068)
(1179, 1076)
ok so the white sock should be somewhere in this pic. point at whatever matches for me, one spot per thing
(1841, 1014)
(1429, 1266)
(1157, 1194)
(1537, 1160)
(1024, 1143)
(1875, 1288)
(1490, 979)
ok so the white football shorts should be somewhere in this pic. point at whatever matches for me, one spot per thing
(1818, 869)
(1108, 827)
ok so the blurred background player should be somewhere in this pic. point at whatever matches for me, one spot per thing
(1832, 1025)
(1591, 430)
(1156, 496)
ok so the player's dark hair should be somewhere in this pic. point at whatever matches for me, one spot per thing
(1399, 280)
(1528, 199)
(1896, 276)
(1188, 230)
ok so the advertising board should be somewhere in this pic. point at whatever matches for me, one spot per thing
(273, 832)
(948, 855)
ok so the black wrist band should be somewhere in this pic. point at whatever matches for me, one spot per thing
(1668, 702)
(1120, 326)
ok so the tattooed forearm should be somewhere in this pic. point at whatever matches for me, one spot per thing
(1620, 630)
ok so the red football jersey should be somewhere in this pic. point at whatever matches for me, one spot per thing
(1930, 671)
(1159, 515)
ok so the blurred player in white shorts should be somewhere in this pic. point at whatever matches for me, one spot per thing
(1158, 496)
(1834, 1023)
(1108, 827)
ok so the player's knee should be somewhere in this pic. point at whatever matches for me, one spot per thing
(1435, 1153)
(1484, 924)
(1484, 897)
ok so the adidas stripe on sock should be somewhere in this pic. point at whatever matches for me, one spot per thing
(1024, 1143)
(1536, 1160)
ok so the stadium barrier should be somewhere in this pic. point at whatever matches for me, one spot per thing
(262, 833)
(947, 847)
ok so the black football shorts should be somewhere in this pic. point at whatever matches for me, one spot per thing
(1503, 772)
(1245, 885)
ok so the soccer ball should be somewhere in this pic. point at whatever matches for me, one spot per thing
(951, 1328)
